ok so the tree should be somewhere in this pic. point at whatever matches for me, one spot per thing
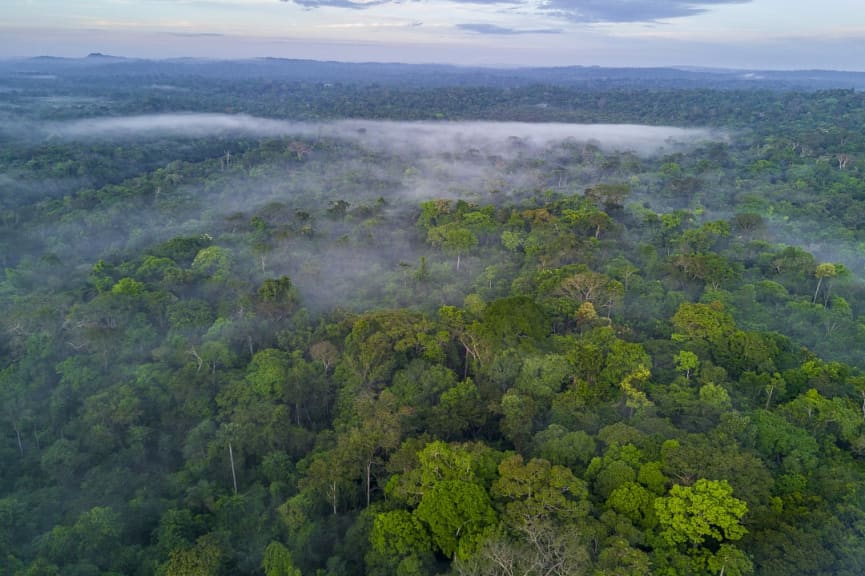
(618, 466)
(687, 362)
(512, 322)
(324, 352)
(278, 561)
(460, 409)
(710, 268)
(635, 502)
(457, 513)
(206, 558)
(705, 322)
(599, 289)
(260, 239)
(420, 386)
(707, 510)
(278, 297)
(635, 399)
(14, 409)
(537, 491)
(571, 449)
(825, 270)
(588, 220)
(535, 549)
(747, 223)
(619, 558)
(377, 433)
(794, 263)
(337, 209)
(454, 320)
(791, 447)
(380, 342)
(267, 372)
(519, 412)
(330, 477)
(453, 238)
(399, 533)
(709, 330)
(730, 561)
(214, 262)
(609, 196)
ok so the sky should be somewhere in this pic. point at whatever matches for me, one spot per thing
(743, 34)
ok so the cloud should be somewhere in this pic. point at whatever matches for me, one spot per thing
(630, 10)
(361, 4)
(353, 4)
(585, 11)
(197, 34)
(480, 28)
(373, 25)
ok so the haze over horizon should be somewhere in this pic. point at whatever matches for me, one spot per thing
(743, 34)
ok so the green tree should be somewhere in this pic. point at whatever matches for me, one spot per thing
(707, 510)
(453, 238)
(380, 342)
(687, 362)
(278, 561)
(618, 466)
(634, 398)
(215, 262)
(205, 558)
(634, 502)
(399, 533)
(537, 491)
(278, 297)
(376, 433)
(783, 443)
(730, 561)
(572, 449)
(822, 272)
(457, 513)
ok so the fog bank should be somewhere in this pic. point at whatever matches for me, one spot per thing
(491, 138)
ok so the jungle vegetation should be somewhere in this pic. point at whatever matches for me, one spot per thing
(235, 352)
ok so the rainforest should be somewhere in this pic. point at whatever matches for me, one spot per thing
(284, 318)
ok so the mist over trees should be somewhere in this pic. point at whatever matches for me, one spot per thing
(266, 321)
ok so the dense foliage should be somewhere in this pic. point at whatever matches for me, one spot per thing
(285, 355)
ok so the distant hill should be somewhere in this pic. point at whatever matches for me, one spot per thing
(430, 75)
(101, 56)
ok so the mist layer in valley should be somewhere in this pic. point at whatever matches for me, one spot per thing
(338, 205)
(492, 138)
(337, 211)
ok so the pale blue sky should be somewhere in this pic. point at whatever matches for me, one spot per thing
(736, 33)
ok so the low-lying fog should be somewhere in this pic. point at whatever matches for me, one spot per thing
(402, 162)
(491, 138)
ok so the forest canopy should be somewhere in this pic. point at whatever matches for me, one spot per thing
(272, 325)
